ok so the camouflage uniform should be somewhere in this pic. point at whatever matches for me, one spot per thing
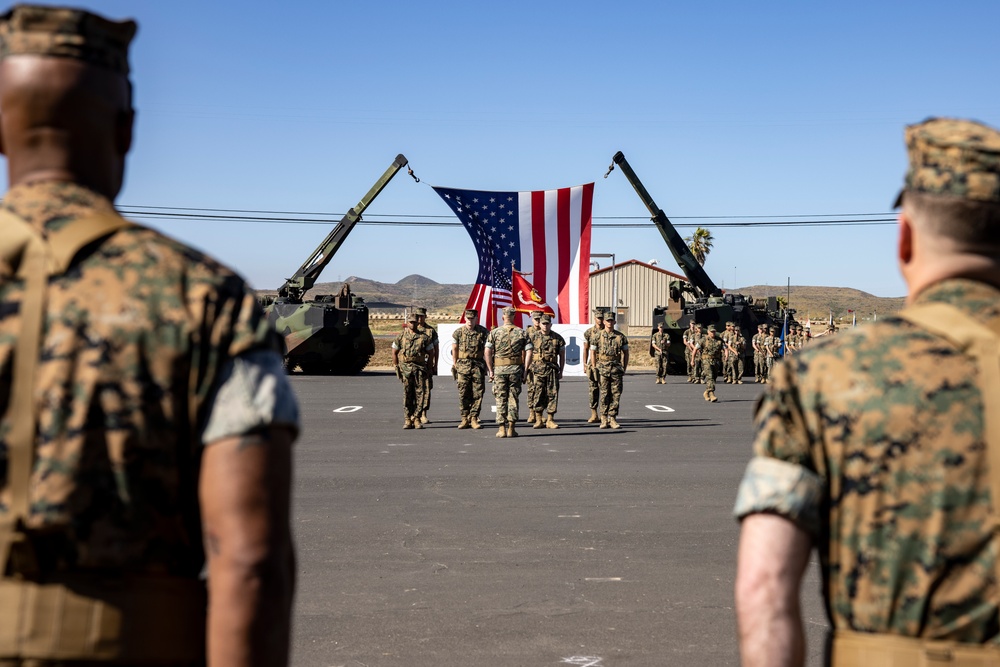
(610, 346)
(689, 336)
(661, 339)
(880, 444)
(470, 369)
(545, 371)
(593, 377)
(413, 348)
(533, 332)
(509, 344)
(759, 356)
(727, 359)
(696, 342)
(710, 349)
(772, 352)
(432, 360)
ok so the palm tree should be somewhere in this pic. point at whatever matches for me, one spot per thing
(700, 244)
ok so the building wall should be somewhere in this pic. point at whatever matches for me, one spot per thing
(641, 287)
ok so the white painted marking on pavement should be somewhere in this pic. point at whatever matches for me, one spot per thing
(348, 408)
(602, 579)
(583, 661)
(660, 408)
(568, 516)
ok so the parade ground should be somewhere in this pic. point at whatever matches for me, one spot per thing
(578, 546)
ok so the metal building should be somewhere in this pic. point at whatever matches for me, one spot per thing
(640, 287)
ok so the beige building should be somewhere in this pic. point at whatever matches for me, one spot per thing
(640, 288)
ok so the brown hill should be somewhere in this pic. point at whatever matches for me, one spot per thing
(819, 302)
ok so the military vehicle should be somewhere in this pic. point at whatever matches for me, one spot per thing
(705, 303)
(328, 334)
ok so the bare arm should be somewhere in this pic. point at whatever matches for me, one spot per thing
(244, 492)
(772, 558)
(488, 357)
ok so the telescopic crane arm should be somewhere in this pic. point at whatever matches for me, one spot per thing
(685, 258)
(295, 287)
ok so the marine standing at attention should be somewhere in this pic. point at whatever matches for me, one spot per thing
(689, 340)
(146, 418)
(661, 343)
(469, 365)
(409, 356)
(548, 361)
(432, 361)
(610, 357)
(593, 379)
(759, 355)
(533, 331)
(879, 447)
(508, 354)
(710, 351)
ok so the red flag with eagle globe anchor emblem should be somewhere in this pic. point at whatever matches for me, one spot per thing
(526, 298)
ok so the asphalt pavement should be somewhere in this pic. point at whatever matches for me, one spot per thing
(578, 546)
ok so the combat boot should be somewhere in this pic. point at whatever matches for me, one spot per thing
(407, 423)
(604, 422)
(551, 423)
(502, 431)
(593, 416)
(613, 423)
(423, 417)
(531, 416)
(539, 422)
(511, 433)
(465, 422)
(705, 394)
(475, 422)
(739, 382)
(417, 423)
(712, 397)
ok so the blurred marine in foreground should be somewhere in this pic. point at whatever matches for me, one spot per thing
(881, 447)
(146, 419)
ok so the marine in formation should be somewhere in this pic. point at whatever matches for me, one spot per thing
(548, 361)
(410, 353)
(468, 348)
(508, 354)
(609, 355)
(660, 343)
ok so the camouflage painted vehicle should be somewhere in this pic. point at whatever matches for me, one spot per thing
(705, 303)
(328, 334)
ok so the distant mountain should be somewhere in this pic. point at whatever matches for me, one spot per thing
(417, 290)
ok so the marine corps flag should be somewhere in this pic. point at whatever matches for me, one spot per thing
(526, 298)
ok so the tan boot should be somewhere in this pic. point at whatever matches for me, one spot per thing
(423, 417)
(613, 423)
(712, 397)
(502, 431)
(511, 433)
(551, 423)
(604, 422)
(531, 416)
(474, 421)
(539, 422)
(464, 423)
(739, 382)
(417, 424)
(705, 394)
(593, 416)
(407, 423)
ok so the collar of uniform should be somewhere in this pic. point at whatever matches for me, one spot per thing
(48, 205)
(978, 299)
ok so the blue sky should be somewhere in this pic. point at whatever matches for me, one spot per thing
(723, 109)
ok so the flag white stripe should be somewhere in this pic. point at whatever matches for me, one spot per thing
(575, 215)
(552, 246)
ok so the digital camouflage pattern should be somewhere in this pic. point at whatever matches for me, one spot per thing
(545, 371)
(872, 441)
(66, 33)
(508, 342)
(431, 362)
(688, 337)
(662, 341)
(610, 347)
(470, 368)
(533, 332)
(957, 158)
(710, 352)
(132, 331)
(593, 377)
(413, 347)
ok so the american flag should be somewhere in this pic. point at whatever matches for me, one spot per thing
(545, 233)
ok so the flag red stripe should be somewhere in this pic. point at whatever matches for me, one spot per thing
(537, 239)
(563, 233)
(584, 257)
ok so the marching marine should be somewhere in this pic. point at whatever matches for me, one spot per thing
(710, 349)
(508, 353)
(469, 368)
(548, 362)
(661, 343)
(409, 357)
(610, 356)
(593, 379)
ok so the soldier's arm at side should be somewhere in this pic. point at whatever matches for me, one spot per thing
(488, 357)
(625, 360)
(772, 557)
(245, 489)
(562, 362)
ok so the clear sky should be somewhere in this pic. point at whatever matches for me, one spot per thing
(724, 109)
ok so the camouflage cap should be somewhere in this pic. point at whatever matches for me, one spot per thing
(420, 311)
(697, 325)
(953, 157)
(471, 312)
(729, 324)
(509, 311)
(536, 315)
(711, 327)
(66, 33)
(610, 315)
(545, 318)
(598, 313)
(412, 317)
